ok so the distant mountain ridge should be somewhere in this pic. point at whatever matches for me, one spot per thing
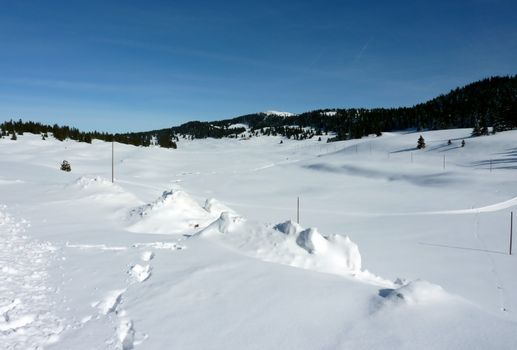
(491, 101)
(488, 102)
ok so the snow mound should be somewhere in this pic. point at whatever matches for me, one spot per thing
(174, 212)
(226, 223)
(339, 250)
(289, 244)
(216, 208)
(415, 293)
(102, 190)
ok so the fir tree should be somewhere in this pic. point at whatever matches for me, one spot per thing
(483, 125)
(420, 143)
(500, 122)
(65, 166)
(165, 141)
(476, 131)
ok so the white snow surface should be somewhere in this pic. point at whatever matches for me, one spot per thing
(197, 248)
(280, 114)
(238, 126)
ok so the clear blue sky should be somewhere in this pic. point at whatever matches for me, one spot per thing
(140, 65)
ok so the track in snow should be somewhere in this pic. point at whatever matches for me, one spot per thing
(26, 298)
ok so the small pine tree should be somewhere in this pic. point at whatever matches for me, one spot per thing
(476, 131)
(499, 122)
(449, 142)
(65, 166)
(484, 126)
(421, 143)
(462, 143)
(14, 137)
(165, 141)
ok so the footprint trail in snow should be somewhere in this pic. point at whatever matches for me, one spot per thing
(126, 334)
(26, 297)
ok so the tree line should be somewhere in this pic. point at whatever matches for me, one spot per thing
(488, 102)
(13, 128)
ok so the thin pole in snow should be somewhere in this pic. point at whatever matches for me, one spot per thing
(444, 161)
(112, 161)
(511, 231)
(298, 210)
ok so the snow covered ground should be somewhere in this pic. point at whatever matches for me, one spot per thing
(196, 248)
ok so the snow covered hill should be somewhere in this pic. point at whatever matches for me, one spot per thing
(196, 248)
(280, 114)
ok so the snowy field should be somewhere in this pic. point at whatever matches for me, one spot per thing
(194, 248)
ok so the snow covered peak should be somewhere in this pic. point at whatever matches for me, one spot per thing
(280, 114)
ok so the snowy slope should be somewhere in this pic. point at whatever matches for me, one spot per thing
(194, 248)
(280, 114)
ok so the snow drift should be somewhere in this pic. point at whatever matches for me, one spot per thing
(287, 243)
(417, 292)
(290, 244)
(411, 293)
(175, 212)
(98, 188)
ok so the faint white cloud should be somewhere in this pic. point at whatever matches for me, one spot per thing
(362, 50)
